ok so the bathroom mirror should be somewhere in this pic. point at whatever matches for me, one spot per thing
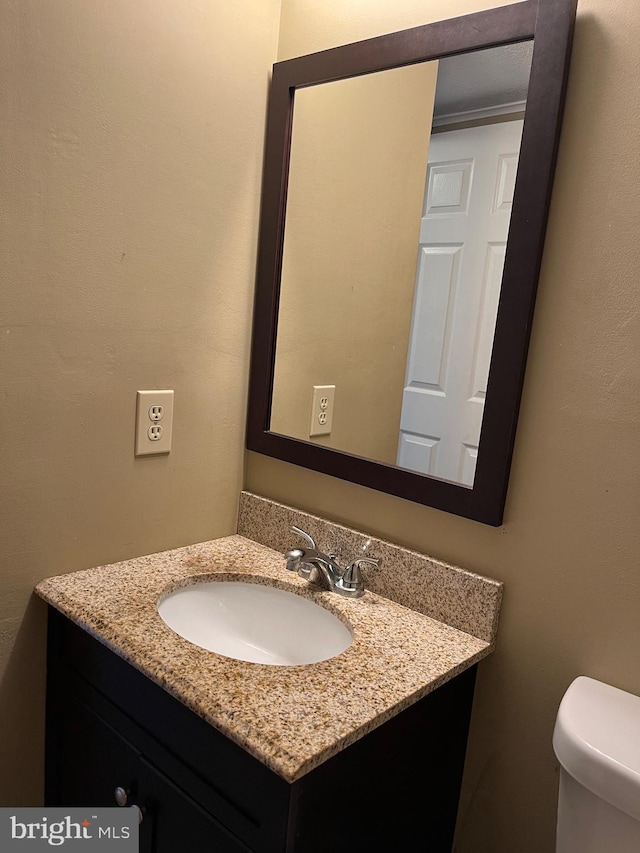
(405, 195)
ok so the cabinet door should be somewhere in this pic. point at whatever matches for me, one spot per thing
(92, 759)
(88, 760)
(177, 822)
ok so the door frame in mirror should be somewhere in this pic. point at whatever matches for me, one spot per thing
(550, 24)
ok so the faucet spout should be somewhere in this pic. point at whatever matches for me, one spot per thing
(324, 572)
(314, 566)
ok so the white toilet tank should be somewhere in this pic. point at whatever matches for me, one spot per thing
(597, 742)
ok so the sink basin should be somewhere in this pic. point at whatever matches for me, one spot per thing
(253, 622)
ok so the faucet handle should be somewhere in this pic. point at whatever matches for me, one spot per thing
(352, 581)
(308, 539)
(356, 563)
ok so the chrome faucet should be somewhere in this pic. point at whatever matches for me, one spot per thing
(323, 570)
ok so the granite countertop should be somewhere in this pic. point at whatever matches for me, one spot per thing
(290, 718)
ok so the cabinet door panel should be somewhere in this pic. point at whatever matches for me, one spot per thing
(93, 759)
(178, 822)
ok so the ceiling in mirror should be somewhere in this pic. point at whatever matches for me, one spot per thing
(497, 77)
(371, 277)
(399, 197)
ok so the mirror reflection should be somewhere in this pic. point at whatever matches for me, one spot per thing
(399, 199)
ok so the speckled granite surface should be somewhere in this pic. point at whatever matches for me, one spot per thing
(447, 593)
(397, 656)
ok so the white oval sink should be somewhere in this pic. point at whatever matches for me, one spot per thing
(253, 622)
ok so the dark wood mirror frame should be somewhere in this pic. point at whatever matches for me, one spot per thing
(550, 24)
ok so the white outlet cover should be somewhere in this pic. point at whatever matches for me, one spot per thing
(146, 400)
(322, 410)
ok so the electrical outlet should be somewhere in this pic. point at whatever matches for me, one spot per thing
(154, 419)
(322, 409)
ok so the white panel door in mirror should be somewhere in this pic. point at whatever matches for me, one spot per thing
(463, 235)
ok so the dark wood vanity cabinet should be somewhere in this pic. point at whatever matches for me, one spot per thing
(108, 727)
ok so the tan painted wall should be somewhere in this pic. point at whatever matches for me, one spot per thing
(131, 138)
(356, 189)
(570, 546)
